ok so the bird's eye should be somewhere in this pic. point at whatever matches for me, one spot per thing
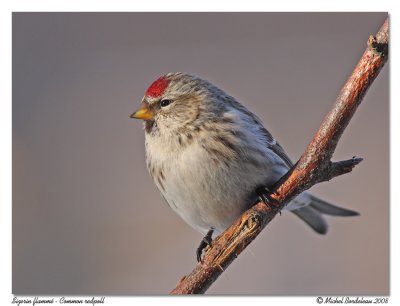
(165, 102)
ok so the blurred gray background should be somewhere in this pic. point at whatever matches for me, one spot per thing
(87, 218)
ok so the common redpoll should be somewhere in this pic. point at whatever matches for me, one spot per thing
(211, 158)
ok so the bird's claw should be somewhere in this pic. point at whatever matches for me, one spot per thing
(264, 195)
(206, 241)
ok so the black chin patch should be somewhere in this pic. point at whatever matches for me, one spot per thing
(149, 125)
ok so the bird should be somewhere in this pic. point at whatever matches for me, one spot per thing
(211, 158)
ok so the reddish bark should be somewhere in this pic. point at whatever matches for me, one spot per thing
(313, 167)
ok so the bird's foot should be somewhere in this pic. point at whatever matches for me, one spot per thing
(206, 241)
(264, 195)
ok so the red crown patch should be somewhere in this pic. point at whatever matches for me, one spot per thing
(158, 87)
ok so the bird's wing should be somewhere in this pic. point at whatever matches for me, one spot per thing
(276, 147)
(281, 153)
(271, 141)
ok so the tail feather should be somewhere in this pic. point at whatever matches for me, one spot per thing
(329, 209)
(313, 213)
(313, 218)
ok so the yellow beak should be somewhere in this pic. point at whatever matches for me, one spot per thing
(143, 113)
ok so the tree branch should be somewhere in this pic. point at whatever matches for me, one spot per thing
(313, 167)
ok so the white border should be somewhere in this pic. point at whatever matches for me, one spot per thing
(205, 5)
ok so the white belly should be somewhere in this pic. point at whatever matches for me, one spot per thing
(208, 194)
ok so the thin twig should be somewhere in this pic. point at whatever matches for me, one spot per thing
(313, 167)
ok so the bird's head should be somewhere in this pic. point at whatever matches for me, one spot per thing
(176, 101)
